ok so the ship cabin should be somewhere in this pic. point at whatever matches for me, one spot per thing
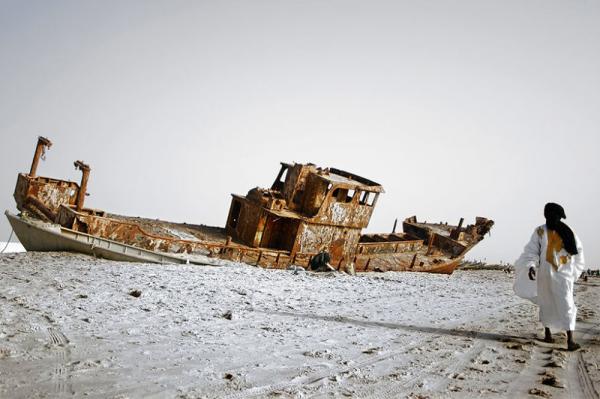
(307, 210)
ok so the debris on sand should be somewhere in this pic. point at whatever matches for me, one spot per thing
(555, 364)
(539, 392)
(228, 315)
(135, 293)
(228, 376)
(372, 351)
(514, 346)
(296, 269)
(551, 380)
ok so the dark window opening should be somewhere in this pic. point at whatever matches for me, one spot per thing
(280, 180)
(235, 214)
(298, 197)
(280, 233)
(335, 194)
(339, 194)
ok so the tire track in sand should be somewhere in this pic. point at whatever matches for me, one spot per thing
(575, 372)
(385, 392)
(577, 369)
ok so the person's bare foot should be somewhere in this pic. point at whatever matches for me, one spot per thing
(573, 346)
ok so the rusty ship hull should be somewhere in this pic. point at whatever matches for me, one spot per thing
(307, 210)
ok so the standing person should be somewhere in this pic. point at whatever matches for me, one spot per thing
(554, 254)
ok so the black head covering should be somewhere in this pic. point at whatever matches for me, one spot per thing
(553, 213)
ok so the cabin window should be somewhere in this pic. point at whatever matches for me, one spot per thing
(372, 199)
(280, 179)
(350, 195)
(339, 195)
(236, 207)
(335, 193)
(368, 198)
(364, 197)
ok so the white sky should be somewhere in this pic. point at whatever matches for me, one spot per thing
(468, 108)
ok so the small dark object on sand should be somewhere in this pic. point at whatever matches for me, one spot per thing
(135, 293)
(228, 376)
(554, 364)
(514, 345)
(551, 380)
(228, 315)
(539, 392)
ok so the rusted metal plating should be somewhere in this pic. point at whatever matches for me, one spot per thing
(85, 175)
(42, 196)
(307, 210)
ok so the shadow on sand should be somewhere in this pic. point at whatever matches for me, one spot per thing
(423, 329)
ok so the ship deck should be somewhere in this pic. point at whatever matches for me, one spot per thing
(178, 231)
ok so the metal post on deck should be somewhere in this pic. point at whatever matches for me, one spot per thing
(430, 246)
(85, 175)
(40, 151)
(414, 259)
(454, 234)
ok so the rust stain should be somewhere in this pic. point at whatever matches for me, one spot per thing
(306, 210)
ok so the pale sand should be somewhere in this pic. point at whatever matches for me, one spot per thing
(70, 328)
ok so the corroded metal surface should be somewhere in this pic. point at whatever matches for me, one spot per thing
(43, 196)
(85, 174)
(306, 211)
(40, 153)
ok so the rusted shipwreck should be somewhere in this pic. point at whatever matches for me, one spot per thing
(306, 211)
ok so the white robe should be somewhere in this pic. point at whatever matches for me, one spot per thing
(556, 273)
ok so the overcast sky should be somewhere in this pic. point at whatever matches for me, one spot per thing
(458, 108)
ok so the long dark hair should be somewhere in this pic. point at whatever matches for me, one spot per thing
(553, 213)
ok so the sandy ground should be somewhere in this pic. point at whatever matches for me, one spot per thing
(69, 327)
